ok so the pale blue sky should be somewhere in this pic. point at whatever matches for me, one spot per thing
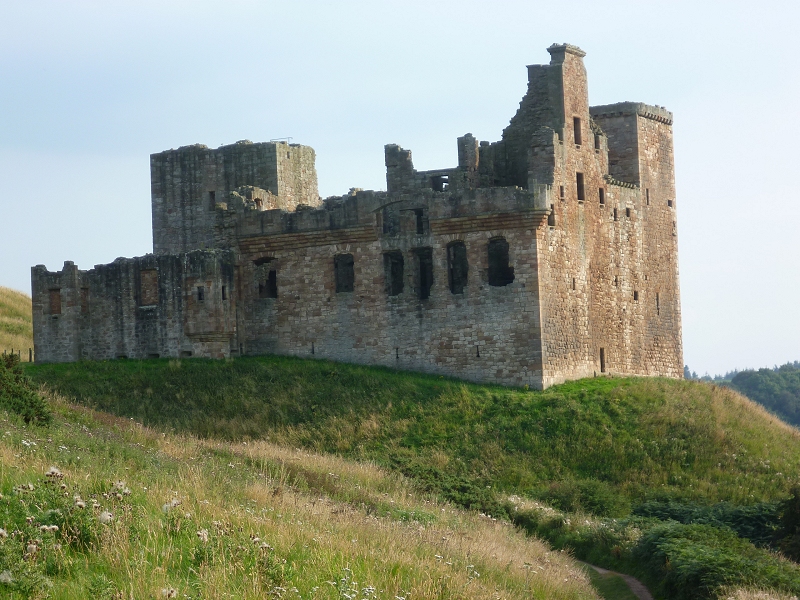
(89, 89)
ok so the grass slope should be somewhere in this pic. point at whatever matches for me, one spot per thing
(600, 445)
(16, 328)
(100, 507)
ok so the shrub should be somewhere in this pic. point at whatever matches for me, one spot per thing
(18, 394)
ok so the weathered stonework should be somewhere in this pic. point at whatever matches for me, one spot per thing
(548, 255)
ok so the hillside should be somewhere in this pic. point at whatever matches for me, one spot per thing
(103, 507)
(16, 329)
(778, 389)
(602, 445)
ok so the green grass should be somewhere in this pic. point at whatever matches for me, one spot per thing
(600, 445)
(610, 586)
(207, 519)
(16, 326)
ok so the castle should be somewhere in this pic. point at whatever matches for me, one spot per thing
(546, 256)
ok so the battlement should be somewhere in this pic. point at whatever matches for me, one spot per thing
(625, 109)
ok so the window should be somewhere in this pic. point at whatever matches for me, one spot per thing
(424, 258)
(669, 203)
(635, 296)
(500, 273)
(224, 293)
(561, 192)
(579, 183)
(393, 272)
(390, 221)
(647, 196)
(596, 142)
(576, 125)
(628, 213)
(55, 302)
(420, 218)
(344, 272)
(212, 200)
(457, 267)
(201, 293)
(573, 284)
(551, 218)
(149, 287)
(439, 183)
(615, 213)
(602, 360)
(266, 278)
(602, 194)
(658, 303)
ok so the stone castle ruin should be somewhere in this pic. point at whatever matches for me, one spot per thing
(548, 255)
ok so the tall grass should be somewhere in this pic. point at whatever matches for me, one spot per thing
(599, 445)
(143, 514)
(16, 328)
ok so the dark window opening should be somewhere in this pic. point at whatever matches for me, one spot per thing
(224, 293)
(561, 192)
(500, 273)
(288, 155)
(266, 278)
(457, 268)
(212, 200)
(669, 203)
(439, 183)
(149, 287)
(573, 283)
(391, 222)
(420, 217)
(635, 296)
(647, 195)
(425, 271)
(393, 272)
(153, 355)
(602, 194)
(628, 213)
(658, 303)
(615, 214)
(186, 353)
(55, 302)
(596, 142)
(576, 124)
(84, 300)
(551, 218)
(579, 183)
(344, 273)
(201, 293)
(616, 280)
(602, 360)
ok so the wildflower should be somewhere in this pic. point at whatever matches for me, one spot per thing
(80, 503)
(53, 473)
(5, 577)
(106, 517)
(203, 535)
(3, 534)
(31, 549)
(169, 593)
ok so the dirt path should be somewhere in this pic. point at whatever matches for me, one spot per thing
(637, 587)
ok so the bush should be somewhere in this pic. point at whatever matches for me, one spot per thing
(587, 495)
(18, 394)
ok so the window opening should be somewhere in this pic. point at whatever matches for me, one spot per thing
(391, 222)
(602, 360)
(149, 287)
(602, 194)
(616, 280)
(647, 195)
(596, 142)
(424, 271)
(440, 183)
(658, 303)
(573, 283)
(344, 273)
(576, 124)
(615, 213)
(628, 212)
(212, 200)
(561, 191)
(393, 272)
(201, 293)
(500, 273)
(551, 218)
(266, 278)
(224, 293)
(55, 302)
(669, 203)
(457, 268)
(420, 214)
(579, 183)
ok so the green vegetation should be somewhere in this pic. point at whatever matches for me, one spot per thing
(94, 506)
(16, 328)
(610, 586)
(647, 476)
(778, 390)
(18, 394)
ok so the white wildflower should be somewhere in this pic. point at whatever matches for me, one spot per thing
(5, 577)
(106, 517)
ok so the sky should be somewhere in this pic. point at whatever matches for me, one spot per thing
(88, 90)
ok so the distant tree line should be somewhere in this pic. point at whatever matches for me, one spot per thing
(776, 389)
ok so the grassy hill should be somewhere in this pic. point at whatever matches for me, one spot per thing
(16, 329)
(103, 507)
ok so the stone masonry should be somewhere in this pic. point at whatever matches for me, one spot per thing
(546, 256)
